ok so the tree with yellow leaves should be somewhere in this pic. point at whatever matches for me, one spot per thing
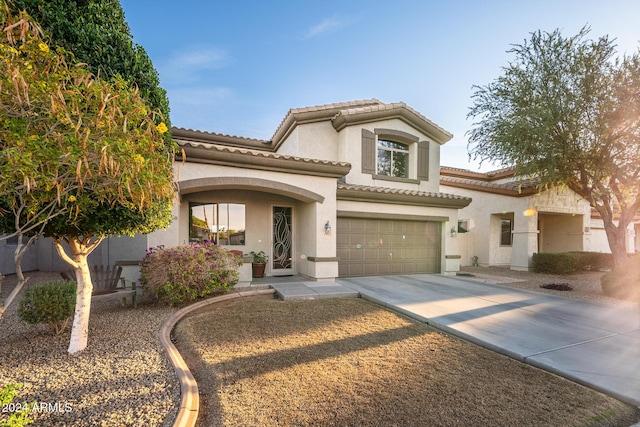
(82, 158)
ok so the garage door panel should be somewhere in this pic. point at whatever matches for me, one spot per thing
(342, 239)
(410, 268)
(370, 270)
(370, 225)
(356, 270)
(383, 269)
(388, 247)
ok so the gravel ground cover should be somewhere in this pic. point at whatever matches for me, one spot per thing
(348, 362)
(586, 284)
(309, 365)
(122, 379)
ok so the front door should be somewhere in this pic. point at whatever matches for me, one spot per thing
(282, 249)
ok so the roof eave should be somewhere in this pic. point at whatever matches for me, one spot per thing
(189, 135)
(524, 192)
(436, 133)
(197, 153)
(439, 201)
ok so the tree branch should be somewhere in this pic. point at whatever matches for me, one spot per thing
(63, 254)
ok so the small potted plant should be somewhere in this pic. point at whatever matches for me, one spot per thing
(258, 264)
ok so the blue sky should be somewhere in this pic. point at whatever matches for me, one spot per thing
(237, 67)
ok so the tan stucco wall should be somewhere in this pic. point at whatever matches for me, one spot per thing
(561, 233)
(321, 141)
(596, 238)
(486, 209)
(313, 204)
(351, 148)
(312, 140)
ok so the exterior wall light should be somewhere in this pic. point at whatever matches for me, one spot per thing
(327, 229)
(454, 232)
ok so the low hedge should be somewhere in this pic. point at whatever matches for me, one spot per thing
(570, 262)
(554, 263)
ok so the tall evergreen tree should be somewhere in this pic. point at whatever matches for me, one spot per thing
(96, 33)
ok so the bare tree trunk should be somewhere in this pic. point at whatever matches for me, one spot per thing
(617, 237)
(80, 250)
(80, 328)
(18, 255)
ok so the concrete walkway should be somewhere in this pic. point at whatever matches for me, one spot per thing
(596, 345)
(308, 290)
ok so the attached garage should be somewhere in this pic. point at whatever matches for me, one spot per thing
(369, 247)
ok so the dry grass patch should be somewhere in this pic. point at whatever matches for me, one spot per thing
(261, 362)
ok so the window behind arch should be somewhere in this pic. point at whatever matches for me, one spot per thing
(222, 223)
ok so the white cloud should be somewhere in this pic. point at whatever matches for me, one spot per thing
(326, 26)
(189, 65)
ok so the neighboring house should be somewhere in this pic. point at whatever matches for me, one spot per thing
(509, 220)
(348, 189)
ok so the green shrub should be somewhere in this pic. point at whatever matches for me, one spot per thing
(570, 262)
(16, 415)
(554, 263)
(623, 281)
(51, 302)
(593, 260)
(186, 273)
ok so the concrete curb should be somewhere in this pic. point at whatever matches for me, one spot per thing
(190, 402)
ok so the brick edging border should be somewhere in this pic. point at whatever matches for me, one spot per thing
(190, 401)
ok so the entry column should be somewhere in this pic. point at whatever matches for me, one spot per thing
(525, 240)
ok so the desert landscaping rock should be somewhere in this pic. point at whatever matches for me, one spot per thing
(123, 377)
(316, 363)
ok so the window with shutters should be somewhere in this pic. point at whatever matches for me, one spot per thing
(393, 159)
(395, 155)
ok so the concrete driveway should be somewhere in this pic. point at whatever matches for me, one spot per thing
(596, 345)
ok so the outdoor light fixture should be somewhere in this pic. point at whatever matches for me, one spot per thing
(454, 232)
(327, 229)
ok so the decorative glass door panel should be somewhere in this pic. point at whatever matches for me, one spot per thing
(282, 251)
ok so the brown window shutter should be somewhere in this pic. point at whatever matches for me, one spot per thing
(423, 160)
(368, 152)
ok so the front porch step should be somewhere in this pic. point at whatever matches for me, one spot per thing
(300, 291)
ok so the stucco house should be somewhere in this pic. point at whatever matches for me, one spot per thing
(346, 189)
(509, 220)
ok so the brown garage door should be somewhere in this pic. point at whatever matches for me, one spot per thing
(370, 247)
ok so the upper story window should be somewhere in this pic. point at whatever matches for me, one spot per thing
(394, 155)
(393, 159)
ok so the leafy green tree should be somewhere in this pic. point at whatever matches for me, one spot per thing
(96, 32)
(22, 213)
(103, 161)
(567, 112)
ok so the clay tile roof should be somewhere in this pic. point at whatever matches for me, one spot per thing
(367, 113)
(219, 138)
(512, 188)
(254, 153)
(325, 111)
(391, 195)
(336, 106)
(387, 190)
